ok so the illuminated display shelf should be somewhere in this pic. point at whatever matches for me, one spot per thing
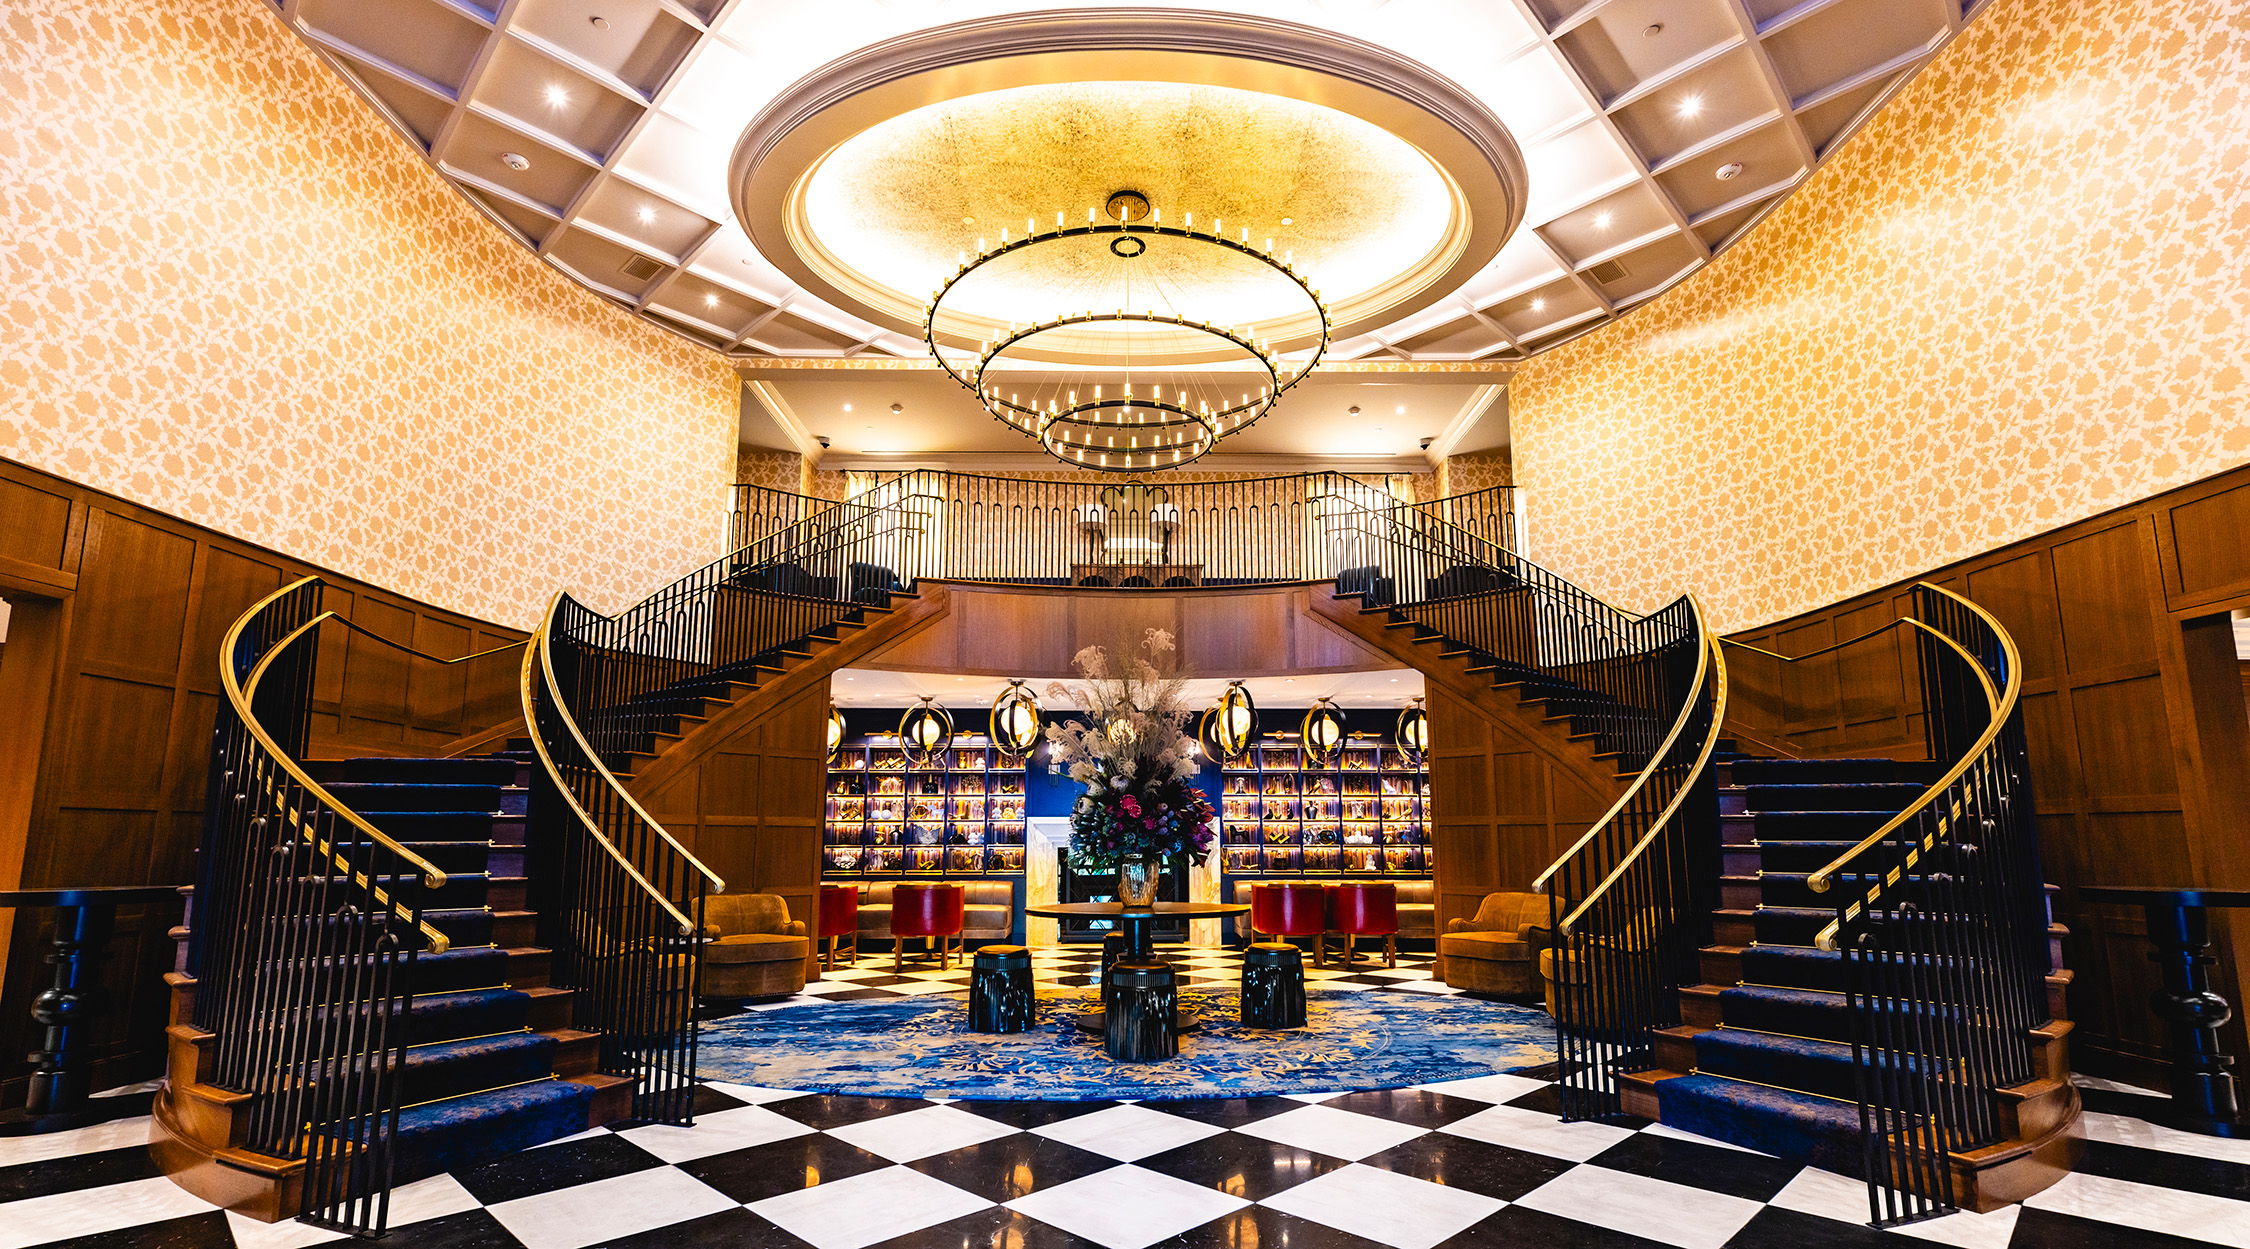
(959, 817)
(1363, 816)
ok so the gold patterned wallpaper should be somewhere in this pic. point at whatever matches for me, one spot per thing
(232, 293)
(2017, 298)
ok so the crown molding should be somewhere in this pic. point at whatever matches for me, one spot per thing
(1004, 462)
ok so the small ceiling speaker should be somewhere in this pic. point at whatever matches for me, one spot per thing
(1229, 724)
(835, 733)
(925, 731)
(1413, 731)
(1015, 721)
(1324, 734)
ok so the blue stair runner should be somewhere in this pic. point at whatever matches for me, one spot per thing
(1776, 1074)
(491, 1066)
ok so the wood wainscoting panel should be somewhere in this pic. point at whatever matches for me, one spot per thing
(134, 610)
(2210, 557)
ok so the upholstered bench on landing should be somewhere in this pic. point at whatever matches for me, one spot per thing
(755, 949)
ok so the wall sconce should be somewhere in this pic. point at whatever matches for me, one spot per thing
(1229, 724)
(835, 733)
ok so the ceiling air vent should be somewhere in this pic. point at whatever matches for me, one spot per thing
(641, 268)
(1607, 272)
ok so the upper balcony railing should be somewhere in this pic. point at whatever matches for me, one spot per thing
(1133, 534)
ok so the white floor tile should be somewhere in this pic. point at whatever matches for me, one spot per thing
(1312, 1098)
(1126, 1207)
(1996, 1230)
(923, 988)
(89, 1211)
(433, 1198)
(587, 1135)
(864, 1209)
(756, 1095)
(1675, 1214)
(1529, 1130)
(920, 1133)
(2113, 1086)
(1383, 1205)
(1844, 1199)
(1127, 1132)
(2122, 1130)
(717, 1133)
(116, 1134)
(1665, 1130)
(1494, 1089)
(249, 1233)
(1336, 1133)
(2171, 1210)
(569, 1218)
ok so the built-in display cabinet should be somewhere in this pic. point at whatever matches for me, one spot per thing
(961, 815)
(1362, 816)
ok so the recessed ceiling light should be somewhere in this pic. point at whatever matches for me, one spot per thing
(847, 407)
(648, 215)
(598, 23)
(1401, 409)
(1288, 221)
(557, 95)
(968, 221)
(1691, 105)
(515, 160)
(1602, 220)
(1652, 30)
(1539, 305)
(710, 301)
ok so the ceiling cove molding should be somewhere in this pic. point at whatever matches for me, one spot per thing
(1467, 421)
(784, 420)
(771, 368)
(1007, 462)
(784, 145)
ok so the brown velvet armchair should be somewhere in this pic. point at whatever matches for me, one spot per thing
(754, 949)
(1497, 952)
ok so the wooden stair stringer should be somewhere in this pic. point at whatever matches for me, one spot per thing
(907, 617)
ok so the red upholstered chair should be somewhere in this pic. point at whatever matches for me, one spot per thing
(1367, 909)
(1291, 910)
(839, 918)
(929, 910)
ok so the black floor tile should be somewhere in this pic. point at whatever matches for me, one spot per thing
(834, 1110)
(470, 1229)
(1028, 1115)
(763, 1171)
(65, 1175)
(1547, 1100)
(1260, 1228)
(1419, 1107)
(1471, 1166)
(1012, 1166)
(1243, 1166)
(1227, 1112)
(710, 1101)
(728, 1229)
(2045, 1229)
(194, 1231)
(2145, 1166)
(1773, 1228)
(1545, 1071)
(1730, 1171)
(995, 1228)
(2150, 1106)
(549, 1167)
(1519, 1228)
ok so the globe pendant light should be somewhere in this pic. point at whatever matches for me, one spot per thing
(1324, 733)
(1229, 724)
(1015, 721)
(1413, 731)
(835, 733)
(925, 731)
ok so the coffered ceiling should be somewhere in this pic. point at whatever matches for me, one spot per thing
(1652, 132)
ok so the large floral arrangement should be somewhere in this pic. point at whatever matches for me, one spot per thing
(1135, 757)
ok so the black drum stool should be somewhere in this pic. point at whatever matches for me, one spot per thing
(1113, 948)
(1000, 989)
(1273, 986)
(1140, 1024)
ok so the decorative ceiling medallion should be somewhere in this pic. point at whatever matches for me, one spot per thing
(1121, 431)
(871, 227)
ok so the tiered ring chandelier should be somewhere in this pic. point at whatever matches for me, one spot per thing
(1124, 425)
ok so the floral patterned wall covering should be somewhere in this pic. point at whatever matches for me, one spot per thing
(2017, 298)
(233, 294)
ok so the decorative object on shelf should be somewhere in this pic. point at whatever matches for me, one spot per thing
(1413, 736)
(1176, 416)
(1323, 733)
(1134, 757)
(1229, 724)
(835, 734)
(925, 731)
(1015, 721)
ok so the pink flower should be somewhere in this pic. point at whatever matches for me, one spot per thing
(1132, 804)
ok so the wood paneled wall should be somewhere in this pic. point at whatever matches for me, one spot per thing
(1501, 809)
(2134, 712)
(120, 613)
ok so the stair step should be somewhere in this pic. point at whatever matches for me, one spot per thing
(366, 797)
(1770, 1120)
(452, 1068)
(1794, 1012)
(613, 1097)
(457, 1134)
(1833, 771)
(464, 925)
(1839, 825)
(430, 826)
(461, 770)
(576, 1052)
(1795, 1063)
(450, 857)
(1790, 925)
(1892, 798)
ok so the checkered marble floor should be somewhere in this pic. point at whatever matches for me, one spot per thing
(1079, 966)
(1481, 1162)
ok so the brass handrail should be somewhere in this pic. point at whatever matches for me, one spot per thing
(1705, 662)
(545, 664)
(2002, 703)
(239, 698)
(1877, 631)
(364, 631)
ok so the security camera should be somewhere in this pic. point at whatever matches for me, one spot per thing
(822, 439)
(1425, 443)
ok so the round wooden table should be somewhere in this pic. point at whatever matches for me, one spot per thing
(1138, 950)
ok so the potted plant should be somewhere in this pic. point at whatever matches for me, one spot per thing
(1134, 756)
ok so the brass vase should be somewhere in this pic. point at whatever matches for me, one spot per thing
(1136, 882)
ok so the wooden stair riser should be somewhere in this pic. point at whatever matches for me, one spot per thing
(512, 929)
(1737, 894)
(613, 1097)
(1675, 1047)
(1721, 964)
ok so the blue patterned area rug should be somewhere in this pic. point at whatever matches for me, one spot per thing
(921, 1047)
